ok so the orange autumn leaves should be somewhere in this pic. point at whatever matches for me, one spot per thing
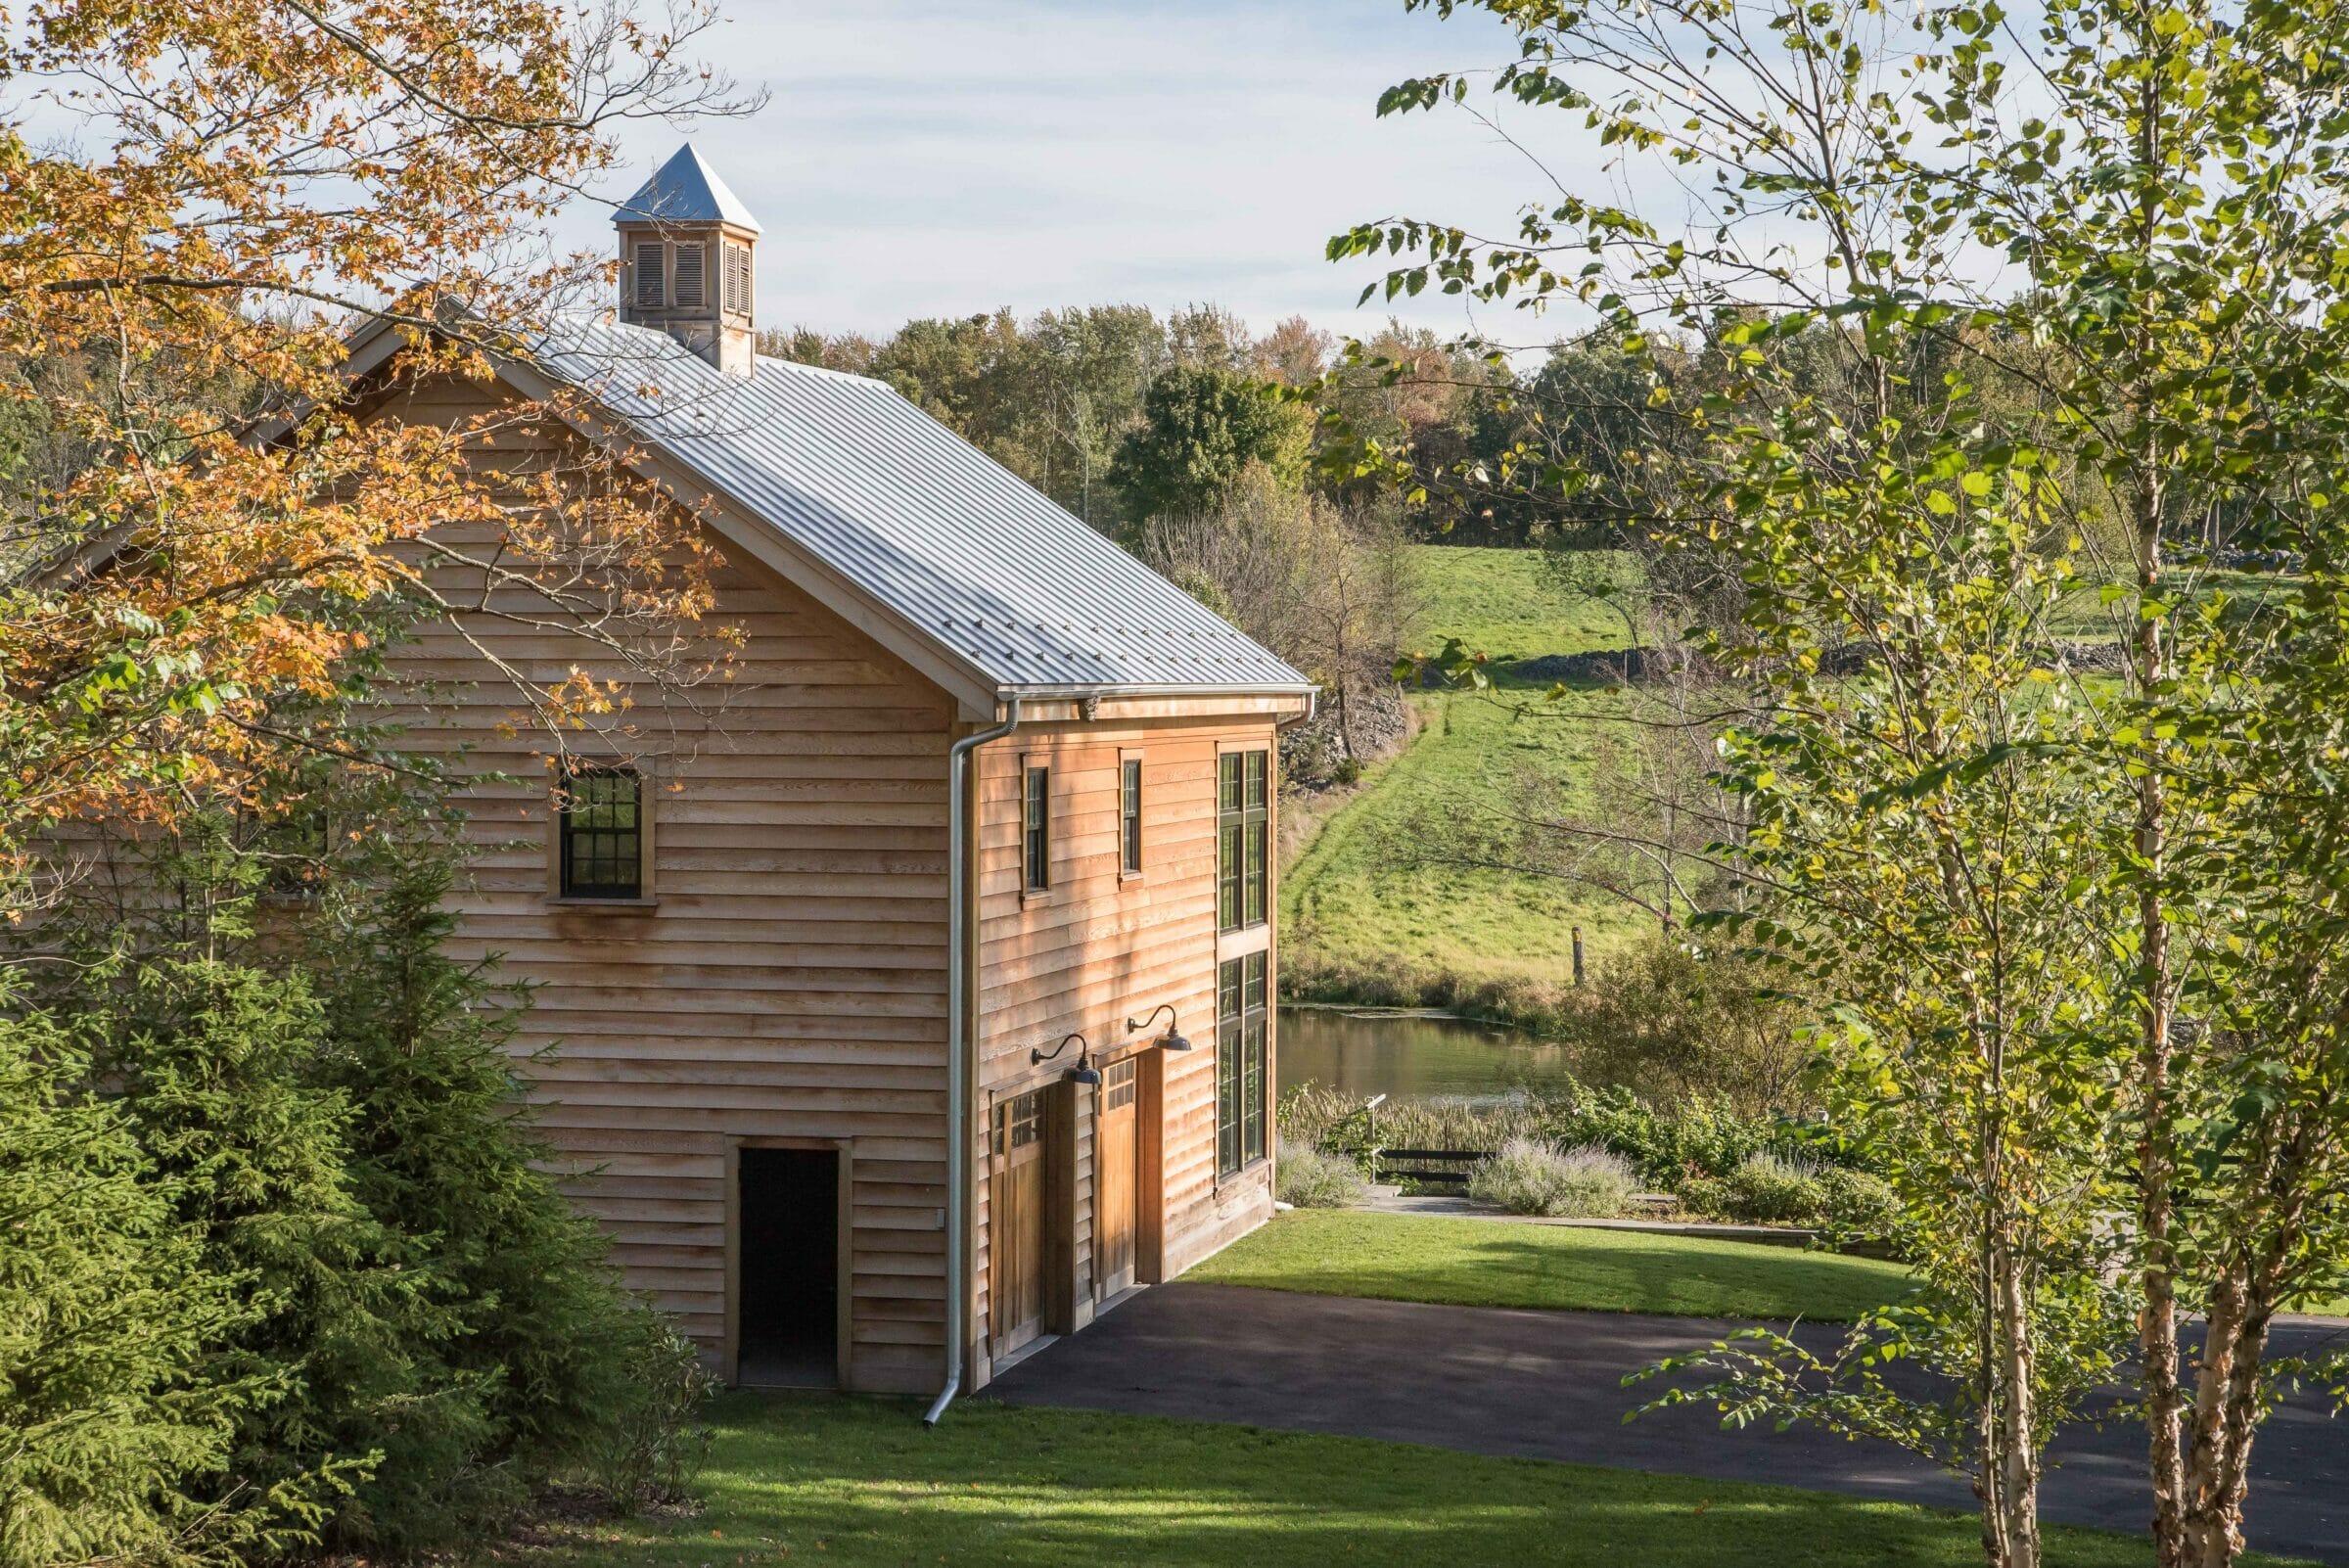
(200, 531)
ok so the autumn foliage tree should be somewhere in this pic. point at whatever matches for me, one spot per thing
(201, 203)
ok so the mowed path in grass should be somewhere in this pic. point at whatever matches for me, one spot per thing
(861, 1484)
(1493, 1262)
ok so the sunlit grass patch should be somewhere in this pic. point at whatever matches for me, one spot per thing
(1489, 1263)
(861, 1484)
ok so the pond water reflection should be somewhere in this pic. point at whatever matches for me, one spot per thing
(1413, 1055)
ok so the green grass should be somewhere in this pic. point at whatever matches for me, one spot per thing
(1348, 900)
(861, 1484)
(1502, 602)
(1489, 1263)
(1345, 901)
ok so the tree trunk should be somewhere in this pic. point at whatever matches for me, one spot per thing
(2157, 1322)
(2019, 1408)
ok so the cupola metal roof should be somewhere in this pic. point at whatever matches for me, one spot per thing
(964, 554)
(686, 190)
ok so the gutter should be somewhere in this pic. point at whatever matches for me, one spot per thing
(959, 1051)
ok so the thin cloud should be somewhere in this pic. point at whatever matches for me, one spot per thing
(947, 158)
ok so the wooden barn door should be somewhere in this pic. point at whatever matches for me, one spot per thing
(1113, 1161)
(1015, 1225)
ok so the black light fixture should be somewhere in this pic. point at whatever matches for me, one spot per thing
(1082, 1072)
(1173, 1039)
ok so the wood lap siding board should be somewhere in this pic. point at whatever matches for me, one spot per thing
(1095, 948)
(790, 983)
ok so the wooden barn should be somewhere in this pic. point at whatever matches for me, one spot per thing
(919, 1003)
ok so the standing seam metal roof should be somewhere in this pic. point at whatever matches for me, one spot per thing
(968, 554)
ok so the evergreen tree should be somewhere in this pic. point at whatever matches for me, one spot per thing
(114, 1428)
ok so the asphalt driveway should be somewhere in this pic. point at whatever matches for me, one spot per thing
(1547, 1385)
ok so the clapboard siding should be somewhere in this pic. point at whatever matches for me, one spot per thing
(790, 981)
(1098, 948)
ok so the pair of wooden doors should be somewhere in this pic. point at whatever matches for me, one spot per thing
(1019, 1208)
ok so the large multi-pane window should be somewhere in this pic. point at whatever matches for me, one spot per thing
(1242, 815)
(602, 823)
(1240, 1030)
(1036, 831)
(1129, 815)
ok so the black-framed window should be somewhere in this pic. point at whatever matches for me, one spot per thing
(1129, 815)
(602, 833)
(1241, 1065)
(1243, 814)
(1035, 830)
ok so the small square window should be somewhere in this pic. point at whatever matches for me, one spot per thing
(602, 822)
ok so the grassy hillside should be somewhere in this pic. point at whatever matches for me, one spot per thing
(1345, 901)
(1503, 603)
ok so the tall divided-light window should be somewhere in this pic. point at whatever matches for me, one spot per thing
(1243, 787)
(602, 824)
(1240, 1034)
(1129, 816)
(1036, 831)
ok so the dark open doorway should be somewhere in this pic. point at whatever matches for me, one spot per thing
(789, 1227)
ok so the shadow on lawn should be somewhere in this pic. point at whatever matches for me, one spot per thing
(852, 1481)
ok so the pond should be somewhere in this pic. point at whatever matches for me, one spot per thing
(1365, 1051)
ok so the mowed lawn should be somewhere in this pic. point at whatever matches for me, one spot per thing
(1504, 603)
(1492, 1263)
(1348, 899)
(861, 1484)
(1351, 898)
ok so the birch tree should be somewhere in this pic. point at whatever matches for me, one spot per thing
(2126, 217)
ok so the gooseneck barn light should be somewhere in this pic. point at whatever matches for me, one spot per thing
(1082, 1072)
(1173, 1039)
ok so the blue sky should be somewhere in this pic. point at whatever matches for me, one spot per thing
(946, 157)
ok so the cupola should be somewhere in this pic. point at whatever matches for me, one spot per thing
(687, 261)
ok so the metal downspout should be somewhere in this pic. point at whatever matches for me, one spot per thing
(959, 1049)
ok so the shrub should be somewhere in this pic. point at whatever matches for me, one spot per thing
(1676, 1024)
(1526, 1177)
(1860, 1205)
(651, 1446)
(1313, 1179)
(1779, 1189)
